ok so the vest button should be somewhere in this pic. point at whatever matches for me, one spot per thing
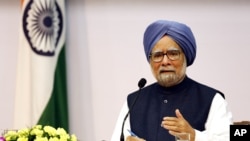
(165, 101)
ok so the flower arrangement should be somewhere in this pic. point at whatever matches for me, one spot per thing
(38, 133)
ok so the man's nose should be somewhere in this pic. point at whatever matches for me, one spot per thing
(165, 59)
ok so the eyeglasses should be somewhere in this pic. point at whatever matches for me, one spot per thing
(171, 54)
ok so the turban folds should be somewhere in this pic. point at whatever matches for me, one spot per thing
(179, 32)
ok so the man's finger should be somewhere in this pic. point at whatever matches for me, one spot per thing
(178, 113)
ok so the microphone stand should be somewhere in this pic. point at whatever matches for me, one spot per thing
(141, 84)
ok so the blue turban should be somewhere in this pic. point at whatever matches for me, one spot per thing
(179, 32)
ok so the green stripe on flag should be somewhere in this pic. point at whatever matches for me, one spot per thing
(56, 111)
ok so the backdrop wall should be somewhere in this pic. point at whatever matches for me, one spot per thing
(106, 59)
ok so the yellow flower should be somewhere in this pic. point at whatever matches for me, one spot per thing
(36, 132)
(61, 132)
(39, 133)
(11, 135)
(41, 139)
(53, 139)
(23, 133)
(22, 139)
(73, 137)
(38, 127)
(50, 130)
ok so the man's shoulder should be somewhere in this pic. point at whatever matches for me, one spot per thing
(207, 88)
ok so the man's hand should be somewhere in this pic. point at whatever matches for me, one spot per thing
(178, 124)
(132, 138)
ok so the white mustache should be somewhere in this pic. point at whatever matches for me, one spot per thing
(166, 69)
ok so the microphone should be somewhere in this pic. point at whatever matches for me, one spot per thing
(141, 84)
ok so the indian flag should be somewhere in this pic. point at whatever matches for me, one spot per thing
(41, 91)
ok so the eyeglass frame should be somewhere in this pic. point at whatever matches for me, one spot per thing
(167, 53)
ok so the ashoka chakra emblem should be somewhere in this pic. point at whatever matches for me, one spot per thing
(42, 25)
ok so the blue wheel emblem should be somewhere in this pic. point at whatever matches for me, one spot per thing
(42, 26)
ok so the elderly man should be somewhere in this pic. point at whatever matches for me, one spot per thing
(175, 103)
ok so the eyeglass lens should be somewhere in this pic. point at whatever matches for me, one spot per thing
(171, 54)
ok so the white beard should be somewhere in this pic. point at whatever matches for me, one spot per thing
(171, 79)
(168, 79)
